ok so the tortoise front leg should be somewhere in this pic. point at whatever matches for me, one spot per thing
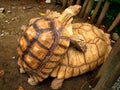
(78, 42)
(57, 83)
(21, 68)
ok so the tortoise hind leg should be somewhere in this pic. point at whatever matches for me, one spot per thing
(57, 83)
(33, 80)
(78, 42)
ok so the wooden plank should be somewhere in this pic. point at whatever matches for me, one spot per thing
(102, 15)
(114, 24)
(95, 11)
(64, 4)
(88, 9)
(83, 8)
(110, 70)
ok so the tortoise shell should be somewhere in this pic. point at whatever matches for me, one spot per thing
(41, 45)
(76, 62)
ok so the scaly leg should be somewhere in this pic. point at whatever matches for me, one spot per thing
(33, 80)
(56, 83)
(78, 42)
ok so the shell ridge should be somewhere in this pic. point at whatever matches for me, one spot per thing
(32, 55)
(53, 46)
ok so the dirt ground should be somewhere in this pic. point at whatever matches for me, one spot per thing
(18, 13)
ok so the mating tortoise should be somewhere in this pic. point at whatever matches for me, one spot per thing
(43, 42)
(90, 48)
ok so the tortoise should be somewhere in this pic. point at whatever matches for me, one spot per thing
(89, 48)
(44, 41)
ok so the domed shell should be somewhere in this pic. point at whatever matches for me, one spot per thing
(44, 42)
(41, 46)
(76, 62)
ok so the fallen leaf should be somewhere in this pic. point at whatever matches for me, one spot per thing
(102, 27)
(20, 87)
(41, 14)
(1, 73)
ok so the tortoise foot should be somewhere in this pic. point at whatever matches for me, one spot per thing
(57, 83)
(32, 81)
(22, 70)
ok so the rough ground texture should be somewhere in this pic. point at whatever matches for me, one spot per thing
(16, 14)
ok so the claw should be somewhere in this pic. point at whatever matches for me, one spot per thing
(57, 83)
(32, 81)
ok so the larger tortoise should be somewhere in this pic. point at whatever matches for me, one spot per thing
(89, 48)
(43, 43)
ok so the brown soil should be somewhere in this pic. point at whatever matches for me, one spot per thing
(18, 13)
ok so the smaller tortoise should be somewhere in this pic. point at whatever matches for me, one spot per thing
(43, 43)
(89, 49)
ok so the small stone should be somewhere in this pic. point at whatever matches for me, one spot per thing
(9, 11)
(23, 27)
(2, 34)
(13, 57)
(115, 36)
(2, 10)
(90, 86)
(112, 41)
(48, 1)
(6, 21)
(13, 19)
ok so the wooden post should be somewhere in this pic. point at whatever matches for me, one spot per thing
(95, 11)
(78, 2)
(83, 8)
(64, 4)
(110, 70)
(114, 24)
(102, 15)
(88, 8)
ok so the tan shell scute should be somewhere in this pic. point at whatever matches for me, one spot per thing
(76, 62)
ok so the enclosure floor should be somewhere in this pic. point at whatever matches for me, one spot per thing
(18, 13)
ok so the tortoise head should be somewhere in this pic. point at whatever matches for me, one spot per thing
(68, 13)
(72, 10)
